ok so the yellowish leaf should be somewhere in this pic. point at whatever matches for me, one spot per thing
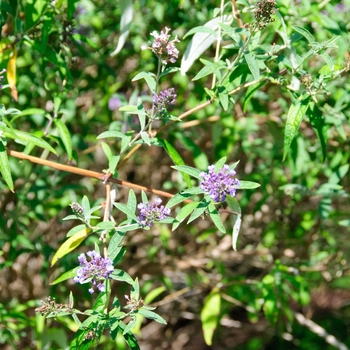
(11, 73)
(70, 244)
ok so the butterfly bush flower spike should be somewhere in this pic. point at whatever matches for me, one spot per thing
(96, 270)
(150, 213)
(165, 101)
(163, 47)
(219, 185)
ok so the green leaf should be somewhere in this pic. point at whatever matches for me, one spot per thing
(210, 315)
(5, 169)
(202, 41)
(151, 315)
(47, 25)
(169, 70)
(188, 170)
(128, 336)
(65, 137)
(150, 80)
(183, 195)
(33, 11)
(199, 29)
(120, 275)
(199, 157)
(215, 216)
(71, 9)
(250, 93)
(126, 8)
(101, 301)
(126, 210)
(325, 207)
(247, 185)
(328, 60)
(317, 121)
(220, 163)
(81, 38)
(176, 158)
(223, 97)
(153, 294)
(200, 209)
(296, 113)
(113, 133)
(67, 275)
(236, 218)
(114, 246)
(70, 244)
(183, 213)
(253, 65)
(26, 137)
(146, 138)
(209, 68)
(305, 33)
(135, 290)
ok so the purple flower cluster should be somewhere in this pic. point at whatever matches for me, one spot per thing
(95, 270)
(162, 47)
(165, 101)
(219, 185)
(149, 213)
(114, 103)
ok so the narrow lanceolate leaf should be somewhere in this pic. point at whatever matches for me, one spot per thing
(66, 276)
(200, 209)
(318, 122)
(26, 137)
(125, 22)
(328, 60)
(215, 216)
(11, 73)
(188, 170)
(253, 65)
(150, 80)
(183, 213)
(176, 158)
(180, 197)
(120, 275)
(237, 221)
(236, 218)
(295, 115)
(5, 167)
(210, 315)
(151, 315)
(247, 185)
(70, 244)
(65, 137)
(305, 33)
(113, 133)
(201, 41)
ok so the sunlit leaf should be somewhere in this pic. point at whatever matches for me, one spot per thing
(5, 169)
(126, 8)
(210, 315)
(70, 244)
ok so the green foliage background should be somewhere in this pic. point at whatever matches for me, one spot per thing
(293, 256)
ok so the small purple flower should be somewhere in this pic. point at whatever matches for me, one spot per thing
(96, 270)
(219, 185)
(162, 47)
(114, 103)
(149, 213)
(165, 101)
(340, 8)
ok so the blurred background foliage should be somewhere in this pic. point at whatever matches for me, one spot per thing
(293, 257)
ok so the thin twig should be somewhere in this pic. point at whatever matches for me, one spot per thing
(86, 173)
